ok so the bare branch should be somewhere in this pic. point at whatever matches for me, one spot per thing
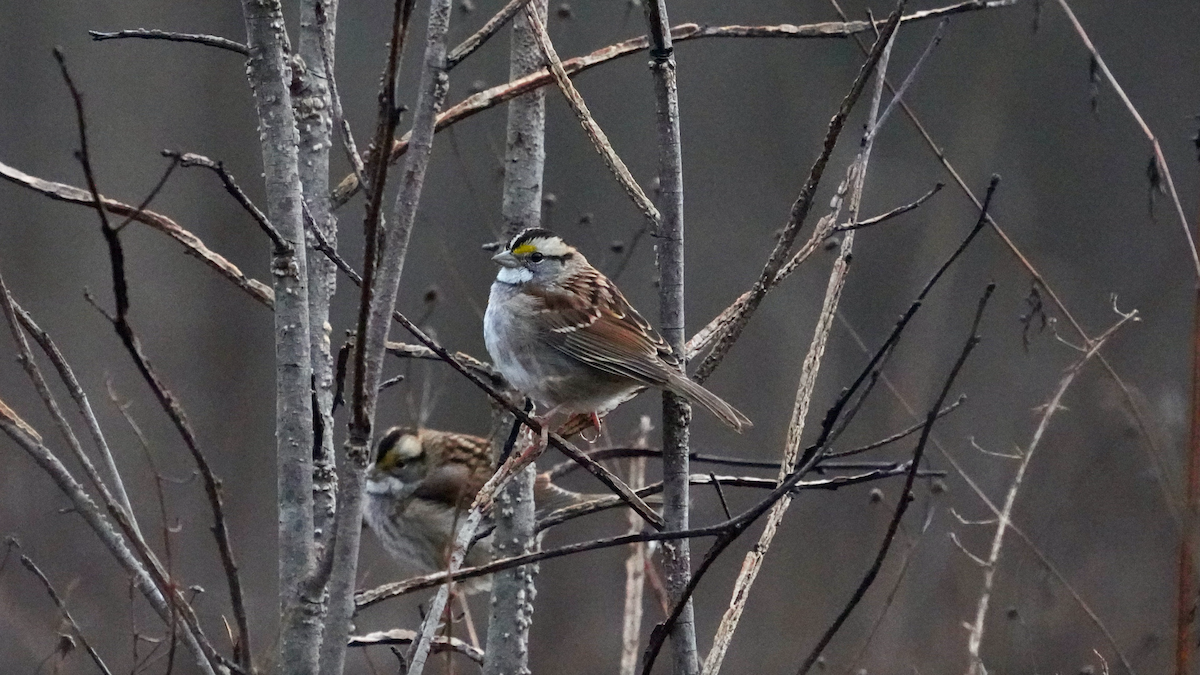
(191, 159)
(479, 37)
(191, 243)
(905, 494)
(1137, 117)
(898, 211)
(155, 34)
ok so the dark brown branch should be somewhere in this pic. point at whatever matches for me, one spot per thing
(905, 494)
(125, 331)
(155, 34)
(62, 608)
(563, 468)
(145, 203)
(894, 437)
(191, 159)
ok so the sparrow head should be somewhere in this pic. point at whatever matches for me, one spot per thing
(535, 255)
(400, 454)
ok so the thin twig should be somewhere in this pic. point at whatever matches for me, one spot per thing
(898, 211)
(485, 33)
(118, 505)
(1137, 117)
(155, 34)
(905, 562)
(975, 638)
(62, 608)
(190, 159)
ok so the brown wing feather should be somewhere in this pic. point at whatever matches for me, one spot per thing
(590, 320)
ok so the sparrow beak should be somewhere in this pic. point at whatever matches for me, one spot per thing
(506, 259)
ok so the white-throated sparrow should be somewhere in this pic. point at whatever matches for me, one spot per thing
(420, 487)
(563, 334)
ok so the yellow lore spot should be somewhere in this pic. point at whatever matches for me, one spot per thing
(523, 249)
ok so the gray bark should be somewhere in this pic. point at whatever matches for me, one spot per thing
(393, 248)
(312, 107)
(513, 591)
(270, 76)
(676, 411)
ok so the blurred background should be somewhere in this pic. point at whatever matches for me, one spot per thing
(1007, 92)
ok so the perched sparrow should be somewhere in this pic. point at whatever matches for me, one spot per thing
(419, 490)
(562, 333)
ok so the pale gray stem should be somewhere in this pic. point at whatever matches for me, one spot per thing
(677, 414)
(312, 108)
(513, 591)
(393, 248)
(117, 497)
(975, 638)
(635, 564)
(752, 564)
(270, 76)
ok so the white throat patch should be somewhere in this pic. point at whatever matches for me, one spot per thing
(514, 275)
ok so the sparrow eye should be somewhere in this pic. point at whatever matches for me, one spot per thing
(536, 257)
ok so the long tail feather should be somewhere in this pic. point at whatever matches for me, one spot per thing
(697, 394)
